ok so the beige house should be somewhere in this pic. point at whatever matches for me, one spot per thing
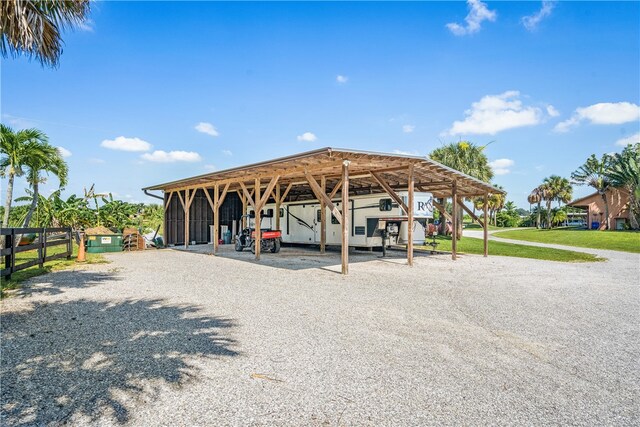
(618, 201)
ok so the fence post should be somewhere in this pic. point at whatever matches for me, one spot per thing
(69, 243)
(9, 258)
(44, 245)
(40, 248)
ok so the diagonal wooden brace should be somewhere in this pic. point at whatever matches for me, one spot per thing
(321, 195)
(390, 192)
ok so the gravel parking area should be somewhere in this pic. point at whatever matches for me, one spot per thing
(182, 338)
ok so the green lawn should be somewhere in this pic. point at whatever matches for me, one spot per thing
(476, 226)
(627, 241)
(57, 264)
(470, 245)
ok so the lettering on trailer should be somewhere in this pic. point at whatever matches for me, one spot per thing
(423, 205)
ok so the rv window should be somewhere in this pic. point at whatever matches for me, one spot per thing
(269, 213)
(281, 212)
(318, 215)
(334, 220)
(252, 214)
(385, 204)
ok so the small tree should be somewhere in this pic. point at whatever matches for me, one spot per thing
(624, 172)
(595, 173)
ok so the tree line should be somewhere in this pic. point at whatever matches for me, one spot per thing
(28, 153)
(617, 170)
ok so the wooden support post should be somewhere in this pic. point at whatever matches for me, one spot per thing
(485, 233)
(69, 244)
(258, 218)
(345, 217)
(277, 210)
(454, 222)
(410, 186)
(41, 248)
(216, 218)
(186, 218)
(323, 216)
(244, 209)
(9, 258)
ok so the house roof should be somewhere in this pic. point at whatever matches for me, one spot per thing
(429, 175)
(581, 201)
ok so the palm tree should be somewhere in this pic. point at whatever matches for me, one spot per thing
(17, 148)
(49, 160)
(535, 197)
(555, 188)
(467, 158)
(594, 173)
(34, 27)
(624, 172)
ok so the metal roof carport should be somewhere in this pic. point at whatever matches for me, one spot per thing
(322, 174)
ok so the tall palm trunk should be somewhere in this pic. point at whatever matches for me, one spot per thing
(634, 209)
(34, 204)
(8, 200)
(7, 204)
(549, 214)
(539, 213)
(606, 209)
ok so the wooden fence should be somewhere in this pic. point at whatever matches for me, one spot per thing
(46, 238)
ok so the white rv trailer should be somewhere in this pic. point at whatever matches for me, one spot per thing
(370, 215)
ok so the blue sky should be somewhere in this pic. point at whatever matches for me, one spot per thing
(202, 86)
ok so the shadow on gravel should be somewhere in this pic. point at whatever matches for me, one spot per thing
(91, 359)
(57, 282)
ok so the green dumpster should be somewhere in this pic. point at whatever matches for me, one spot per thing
(104, 243)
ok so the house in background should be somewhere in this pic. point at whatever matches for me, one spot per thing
(618, 201)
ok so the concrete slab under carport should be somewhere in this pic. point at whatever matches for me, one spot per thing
(303, 257)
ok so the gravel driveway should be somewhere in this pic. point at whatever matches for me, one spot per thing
(181, 338)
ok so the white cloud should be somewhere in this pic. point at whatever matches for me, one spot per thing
(501, 166)
(96, 160)
(87, 25)
(531, 22)
(209, 167)
(123, 143)
(408, 128)
(495, 113)
(552, 112)
(207, 128)
(227, 152)
(342, 79)
(406, 153)
(307, 137)
(64, 152)
(603, 113)
(161, 156)
(478, 12)
(631, 139)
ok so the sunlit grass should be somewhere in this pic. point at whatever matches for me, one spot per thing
(469, 245)
(627, 241)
